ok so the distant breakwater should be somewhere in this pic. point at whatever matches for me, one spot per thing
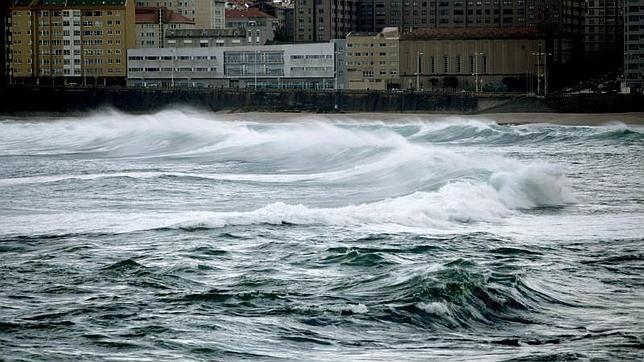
(16, 100)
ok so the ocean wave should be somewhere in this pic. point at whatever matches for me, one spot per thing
(455, 204)
(188, 133)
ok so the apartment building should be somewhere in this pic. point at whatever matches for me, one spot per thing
(285, 15)
(71, 41)
(373, 60)
(153, 23)
(205, 38)
(260, 27)
(207, 14)
(323, 20)
(4, 60)
(473, 58)
(305, 66)
(603, 31)
(634, 43)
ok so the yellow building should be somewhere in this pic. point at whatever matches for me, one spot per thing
(70, 41)
(373, 60)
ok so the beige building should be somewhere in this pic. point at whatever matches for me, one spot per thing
(373, 60)
(472, 58)
(152, 24)
(70, 41)
(207, 14)
(447, 59)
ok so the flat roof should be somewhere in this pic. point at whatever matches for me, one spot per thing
(473, 33)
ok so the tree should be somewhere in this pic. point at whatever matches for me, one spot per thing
(434, 82)
(513, 84)
(450, 82)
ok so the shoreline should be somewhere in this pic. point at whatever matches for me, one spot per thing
(510, 119)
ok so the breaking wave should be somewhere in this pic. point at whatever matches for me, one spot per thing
(406, 178)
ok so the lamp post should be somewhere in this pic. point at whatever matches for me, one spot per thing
(418, 54)
(476, 71)
(172, 72)
(543, 75)
(255, 69)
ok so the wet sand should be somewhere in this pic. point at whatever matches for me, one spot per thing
(570, 119)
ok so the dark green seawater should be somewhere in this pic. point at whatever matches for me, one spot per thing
(182, 236)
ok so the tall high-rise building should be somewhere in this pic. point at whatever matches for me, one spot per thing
(634, 43)
(4, 10)
(70, 41)
(603, 29)
(207, 14)
(322, 20)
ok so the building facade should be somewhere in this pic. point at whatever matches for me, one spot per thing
(206, 38)
(153, 23)
(260, 27)
(474, 59)
(4, 59)
(285, 15)
(304, 66)
(72, 41)
(207, 14)
(603, 31)
(323, 20)
(373, 60)
(634, 43)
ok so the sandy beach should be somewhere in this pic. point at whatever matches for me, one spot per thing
(570, 119)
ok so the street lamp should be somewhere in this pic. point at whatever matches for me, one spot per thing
(418, 54)
(476, 71)
(255, 69)
(543, 75)
(172, 71)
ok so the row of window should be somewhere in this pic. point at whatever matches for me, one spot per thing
(179, 69)
(312, 56)
(311, 69)
(170, 57)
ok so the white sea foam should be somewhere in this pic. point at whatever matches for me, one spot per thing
(441, 187)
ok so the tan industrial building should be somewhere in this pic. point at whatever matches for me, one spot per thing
(70, 41)
(373, 60)
(448, 59)
(472, 58)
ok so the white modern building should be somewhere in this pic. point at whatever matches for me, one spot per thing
(305, 66)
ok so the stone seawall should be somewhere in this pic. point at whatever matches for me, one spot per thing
(18, 100)
(65, 100)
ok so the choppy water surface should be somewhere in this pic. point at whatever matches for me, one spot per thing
(180, 235)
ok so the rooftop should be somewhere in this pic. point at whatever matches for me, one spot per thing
(150, 15)
(251, 13)
(83, 2)
(473, 33)
(67, 3)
